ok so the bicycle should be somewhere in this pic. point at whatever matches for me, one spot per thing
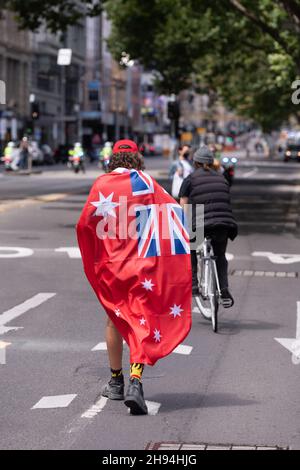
(210, 293)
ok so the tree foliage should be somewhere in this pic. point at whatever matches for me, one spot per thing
(248, 51)
(57, 15)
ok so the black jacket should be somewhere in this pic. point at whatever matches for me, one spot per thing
(212, 190)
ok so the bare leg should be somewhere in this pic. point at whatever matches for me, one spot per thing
(114, 343)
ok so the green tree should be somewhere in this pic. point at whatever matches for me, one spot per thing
(57, 15)
(248, 51)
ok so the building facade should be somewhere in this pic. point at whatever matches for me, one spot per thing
(15, 72)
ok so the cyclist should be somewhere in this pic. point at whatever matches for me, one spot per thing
(208, 187)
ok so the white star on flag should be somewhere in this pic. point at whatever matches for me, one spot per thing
(105, 206)
(142, 321)
(118, 312)
(157, 335)
(147, 284)
(175, 311)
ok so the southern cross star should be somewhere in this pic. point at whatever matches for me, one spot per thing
(105, 206)
(176, 311)
(157, 336)
(142, 321)
(147, 284)
(118, 312)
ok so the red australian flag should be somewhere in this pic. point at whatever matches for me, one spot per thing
(136, 255)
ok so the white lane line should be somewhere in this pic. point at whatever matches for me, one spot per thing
(95, 409)
(15, 252)
(3, 346)
(73, 252)
(183, 349)
(55, 401)
(100, 347)
(103, 347)
(250, 173)
(22, 308)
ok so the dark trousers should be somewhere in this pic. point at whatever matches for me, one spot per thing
(219, 240)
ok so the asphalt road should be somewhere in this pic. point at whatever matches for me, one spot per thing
(240, 386)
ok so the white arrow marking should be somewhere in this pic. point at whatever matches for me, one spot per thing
(293, 344)
(278, 258)
(17, 311)
(73, 252)
(3, 347)
(19, 252)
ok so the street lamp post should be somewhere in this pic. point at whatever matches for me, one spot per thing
(64, 58)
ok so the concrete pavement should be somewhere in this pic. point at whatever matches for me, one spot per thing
(237, 387)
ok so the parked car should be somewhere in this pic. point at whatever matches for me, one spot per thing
(36, 153)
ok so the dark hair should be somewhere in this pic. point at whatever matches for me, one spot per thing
(205, 166)
(126, 160)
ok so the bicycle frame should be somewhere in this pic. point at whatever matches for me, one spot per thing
(207, 259)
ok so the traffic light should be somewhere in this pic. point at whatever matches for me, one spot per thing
(35, 111)
(173, 110)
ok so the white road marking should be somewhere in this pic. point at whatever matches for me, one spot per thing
(20, 309)
(95, 409)
(183, 349)
(229, 256)
(3, 346)
(278, 258)
(100, 347)
(17, 252)
(55, 401)
(293, 344)
(153, 407)
(72, 251)
(250, 173)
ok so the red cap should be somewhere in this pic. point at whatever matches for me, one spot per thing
(123, 146)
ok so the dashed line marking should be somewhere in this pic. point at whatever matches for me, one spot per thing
(183, 349)
(95, 409)
(100, 347)
(55, 401)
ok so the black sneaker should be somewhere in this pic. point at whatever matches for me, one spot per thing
(135, 398)
(226, 298)
(114, 390)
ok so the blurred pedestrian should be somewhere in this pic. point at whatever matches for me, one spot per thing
(180, 169)
(24, 152)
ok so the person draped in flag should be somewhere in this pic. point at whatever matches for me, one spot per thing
(136, 256)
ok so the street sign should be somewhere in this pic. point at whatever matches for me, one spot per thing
(64, 57)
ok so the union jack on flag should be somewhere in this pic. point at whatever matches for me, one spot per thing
(141, 183)
(179, 236)
(148, 231)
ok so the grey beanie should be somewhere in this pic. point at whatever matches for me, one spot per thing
(203, 155)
